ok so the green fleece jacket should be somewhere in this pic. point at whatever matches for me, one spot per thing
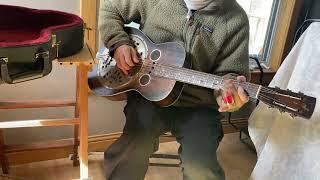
(215, 38)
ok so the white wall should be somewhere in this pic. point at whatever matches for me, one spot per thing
(104, 116)
(71, 6)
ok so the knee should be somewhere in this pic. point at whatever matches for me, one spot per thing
(129, 143)
(202, 168)
(142, 119)
(200, 162)
(199, 172)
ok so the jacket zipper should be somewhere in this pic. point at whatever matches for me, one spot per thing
(189, 23)
(189, 44)
(195, 34)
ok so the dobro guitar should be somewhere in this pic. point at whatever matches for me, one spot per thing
(162, 71)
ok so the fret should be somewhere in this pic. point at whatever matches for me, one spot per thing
(221, 83)
(258, 91)
(201, 79)
(247, 88)
(207, 83)
(184, 78)
(213, 84)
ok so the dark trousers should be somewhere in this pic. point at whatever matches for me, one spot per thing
(198, 130)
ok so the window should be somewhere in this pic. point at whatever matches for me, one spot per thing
(262, 15)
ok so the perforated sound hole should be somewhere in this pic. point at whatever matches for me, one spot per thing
(145, 79)
(113, 77)
(155, 55)
(140, 46)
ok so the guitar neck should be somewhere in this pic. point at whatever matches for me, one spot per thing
(202, 79)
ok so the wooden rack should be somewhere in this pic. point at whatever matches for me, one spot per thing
(83, 62)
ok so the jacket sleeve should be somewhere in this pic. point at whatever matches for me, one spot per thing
(112, 17)
(233, 58)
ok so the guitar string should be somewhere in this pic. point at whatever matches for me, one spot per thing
(250, 86)
(259, 95)
(201, 74)
(253, 87)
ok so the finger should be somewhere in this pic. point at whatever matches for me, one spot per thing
(219, 100)
(134, 55)
(123, 70)
(123, 63)
(229, 89)
(228, 97)
(241, 79)
(120, 65)
(229, 85)
(222, 105)
(127, 59)
(228, 82)
(223, 109)
(242, 94)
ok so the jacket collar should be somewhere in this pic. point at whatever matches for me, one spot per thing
(215, 4)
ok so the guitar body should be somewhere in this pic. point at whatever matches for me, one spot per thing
(107, 79)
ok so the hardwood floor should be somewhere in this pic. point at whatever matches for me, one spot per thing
(236, 159)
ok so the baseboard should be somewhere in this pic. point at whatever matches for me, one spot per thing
(98, 143)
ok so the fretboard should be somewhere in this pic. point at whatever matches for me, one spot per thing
(200, 79)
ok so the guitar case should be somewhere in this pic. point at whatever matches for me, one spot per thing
(30, 39)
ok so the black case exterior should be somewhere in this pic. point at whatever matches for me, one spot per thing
(24, 63)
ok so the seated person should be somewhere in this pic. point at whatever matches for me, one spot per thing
(215, 35)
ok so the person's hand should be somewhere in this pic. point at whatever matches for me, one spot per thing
(126, 57)
(231, 98)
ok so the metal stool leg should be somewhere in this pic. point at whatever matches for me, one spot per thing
(164, 156)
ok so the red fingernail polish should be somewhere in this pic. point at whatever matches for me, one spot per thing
(228, 99)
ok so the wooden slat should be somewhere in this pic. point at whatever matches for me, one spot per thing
(38, 123)
(39, 145)
(82, 71)
(104, 137)
(36, 104)
(24, 157)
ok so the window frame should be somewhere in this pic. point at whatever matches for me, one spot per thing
(271, 31)
(283, 32)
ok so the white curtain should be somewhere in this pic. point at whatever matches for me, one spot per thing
(289, 148)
